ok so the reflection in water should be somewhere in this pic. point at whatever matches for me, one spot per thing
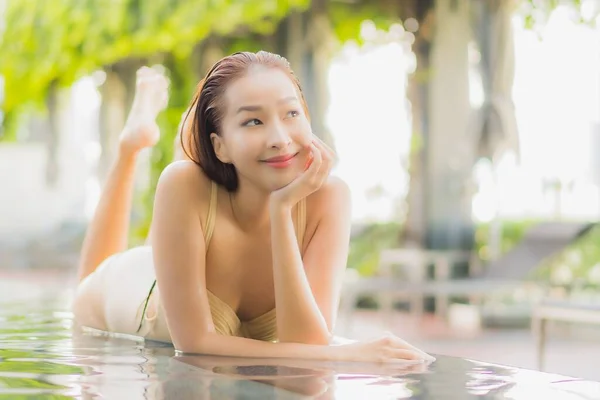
(43, 356)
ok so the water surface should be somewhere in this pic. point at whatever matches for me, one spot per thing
(43, 357)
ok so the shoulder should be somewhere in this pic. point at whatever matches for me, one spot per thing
(334, 195)
(184, 179)
(180, 171)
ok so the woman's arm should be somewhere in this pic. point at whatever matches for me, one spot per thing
(307, 291)
(179, 257)
(179, 253)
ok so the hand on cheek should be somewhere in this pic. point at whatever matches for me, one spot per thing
(316, 170)
(307, 144)
(309, 159)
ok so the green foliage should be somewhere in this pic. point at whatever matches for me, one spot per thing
(366, 246)
(347, 20)
(40, 367)
(27, 383)
(575, 268)
(46, 396)
(6, 354)
(63, 40)
(512, 233)
(536, 12)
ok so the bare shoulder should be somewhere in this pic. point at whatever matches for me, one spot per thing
(183, 188)
(182, 196)
(334, 194)
(184, 177)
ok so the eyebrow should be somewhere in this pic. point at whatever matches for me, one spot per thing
(289, 99)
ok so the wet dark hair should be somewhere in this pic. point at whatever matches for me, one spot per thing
(207, 109)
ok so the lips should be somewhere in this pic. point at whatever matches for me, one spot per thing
(282, 161)
(278, 159)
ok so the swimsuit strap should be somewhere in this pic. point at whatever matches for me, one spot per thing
(301, 222)
(212, 212)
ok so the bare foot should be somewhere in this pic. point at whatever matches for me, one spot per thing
(151, 97)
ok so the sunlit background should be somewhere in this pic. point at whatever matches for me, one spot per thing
(549, 174)
(559, 137)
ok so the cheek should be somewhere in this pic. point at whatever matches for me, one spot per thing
(303, 132)
(244, 147)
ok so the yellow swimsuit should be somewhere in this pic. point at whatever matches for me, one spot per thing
(225, 319)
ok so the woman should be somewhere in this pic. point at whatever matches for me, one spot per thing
(249, 236)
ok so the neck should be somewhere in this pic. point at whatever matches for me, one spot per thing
(250, 206)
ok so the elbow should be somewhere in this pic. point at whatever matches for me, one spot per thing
(190, 349)
(321, 340)
(316, 332)
(200, 345)
(322, 337)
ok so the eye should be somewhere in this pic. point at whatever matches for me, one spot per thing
(293, 113)
(252, 122)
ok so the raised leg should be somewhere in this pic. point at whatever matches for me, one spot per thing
(109, 228)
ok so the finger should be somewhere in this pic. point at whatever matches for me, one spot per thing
(325, 145)
(406, 355)
(326, 154)
(331, 155)
(403, 343)
(326, 165)
(316, 162)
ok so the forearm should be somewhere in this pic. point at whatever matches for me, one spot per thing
(232, 346)
(298, 316)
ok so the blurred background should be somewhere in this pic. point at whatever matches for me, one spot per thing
(460, 126)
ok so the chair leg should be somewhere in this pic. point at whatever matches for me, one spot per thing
(540, 333)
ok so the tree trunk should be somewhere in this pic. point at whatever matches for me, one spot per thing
(413, 234)
(53, 138)
(439, 210)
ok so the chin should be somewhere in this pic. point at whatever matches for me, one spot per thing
(271, 182)
(280, 183)
(277, 186)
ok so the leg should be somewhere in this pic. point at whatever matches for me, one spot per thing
(111, 299)
(109, 228)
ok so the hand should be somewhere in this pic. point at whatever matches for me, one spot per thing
(387, 349)
(151, 97)
(318, 167)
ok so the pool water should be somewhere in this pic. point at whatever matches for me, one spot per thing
(42, 356)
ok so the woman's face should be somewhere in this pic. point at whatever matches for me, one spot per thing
(265, 132)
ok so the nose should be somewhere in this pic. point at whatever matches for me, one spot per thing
(279, 136)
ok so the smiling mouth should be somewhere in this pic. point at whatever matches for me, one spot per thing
(281, 161)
